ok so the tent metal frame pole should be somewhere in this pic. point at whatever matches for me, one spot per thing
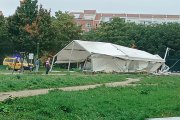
(167, 49)
(163, 65)
(120, 68)
(84, 64)
(70, 56)
(52, 63)
(92, 66)
(86, 61)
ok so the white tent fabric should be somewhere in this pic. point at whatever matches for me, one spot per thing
(107, 57)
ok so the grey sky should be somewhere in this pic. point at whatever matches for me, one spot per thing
(110, 6)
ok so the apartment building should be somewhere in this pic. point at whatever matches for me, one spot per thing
(90, 19)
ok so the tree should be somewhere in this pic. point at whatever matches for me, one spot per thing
(5, 43)
(20, 23)
(30, 26)
(115, 31)
(65, 29)
(154, 38)
(46, 33)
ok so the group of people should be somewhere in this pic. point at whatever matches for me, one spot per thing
(46, 64)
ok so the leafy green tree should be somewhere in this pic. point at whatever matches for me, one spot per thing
(157, 37)
(19, 24)
(154, 38)
(116, 31)
(65, 29)
(31, 25)
(5, 43)
(46, 33)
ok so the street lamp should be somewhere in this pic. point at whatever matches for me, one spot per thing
(38, 50)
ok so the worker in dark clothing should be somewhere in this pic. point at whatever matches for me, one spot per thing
(47, 65)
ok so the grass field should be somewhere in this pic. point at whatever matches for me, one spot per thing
(33, 81)
(155, 96)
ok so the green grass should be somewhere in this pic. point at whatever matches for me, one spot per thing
(33, 81)
(2, 67)
(156, 96)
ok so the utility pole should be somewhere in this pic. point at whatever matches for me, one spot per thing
(38, 50)
(166, 53)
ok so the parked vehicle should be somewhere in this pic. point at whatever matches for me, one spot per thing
(16, 64)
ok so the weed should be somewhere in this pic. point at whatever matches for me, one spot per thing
(18, 76)
(20, 108)
(66, 109)
(145, 92)
(4, 109)
(9, 100)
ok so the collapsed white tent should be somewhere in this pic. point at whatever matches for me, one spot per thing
(108, 57)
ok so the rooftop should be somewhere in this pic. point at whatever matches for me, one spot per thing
(98, 15)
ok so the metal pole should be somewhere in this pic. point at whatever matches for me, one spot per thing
(52, 63)
(84, 64)
(163, 65)
(38, 50)
(70, 56)
(166, 53)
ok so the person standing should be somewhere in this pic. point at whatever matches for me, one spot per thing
(47, 65)
(37, 65)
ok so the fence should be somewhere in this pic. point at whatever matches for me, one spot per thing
(173, 63)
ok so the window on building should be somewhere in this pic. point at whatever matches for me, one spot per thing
(125, 20)
(79, 24)
(106, 19)
(76, 16)
(89, 16)
(110, 19)
(146, 22)
(128, 20)
(88, 25)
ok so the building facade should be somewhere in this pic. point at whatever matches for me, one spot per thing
(90, 19)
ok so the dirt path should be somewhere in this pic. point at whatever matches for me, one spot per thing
(27, 93)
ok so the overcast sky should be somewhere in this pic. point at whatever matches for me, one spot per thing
(110, 6)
